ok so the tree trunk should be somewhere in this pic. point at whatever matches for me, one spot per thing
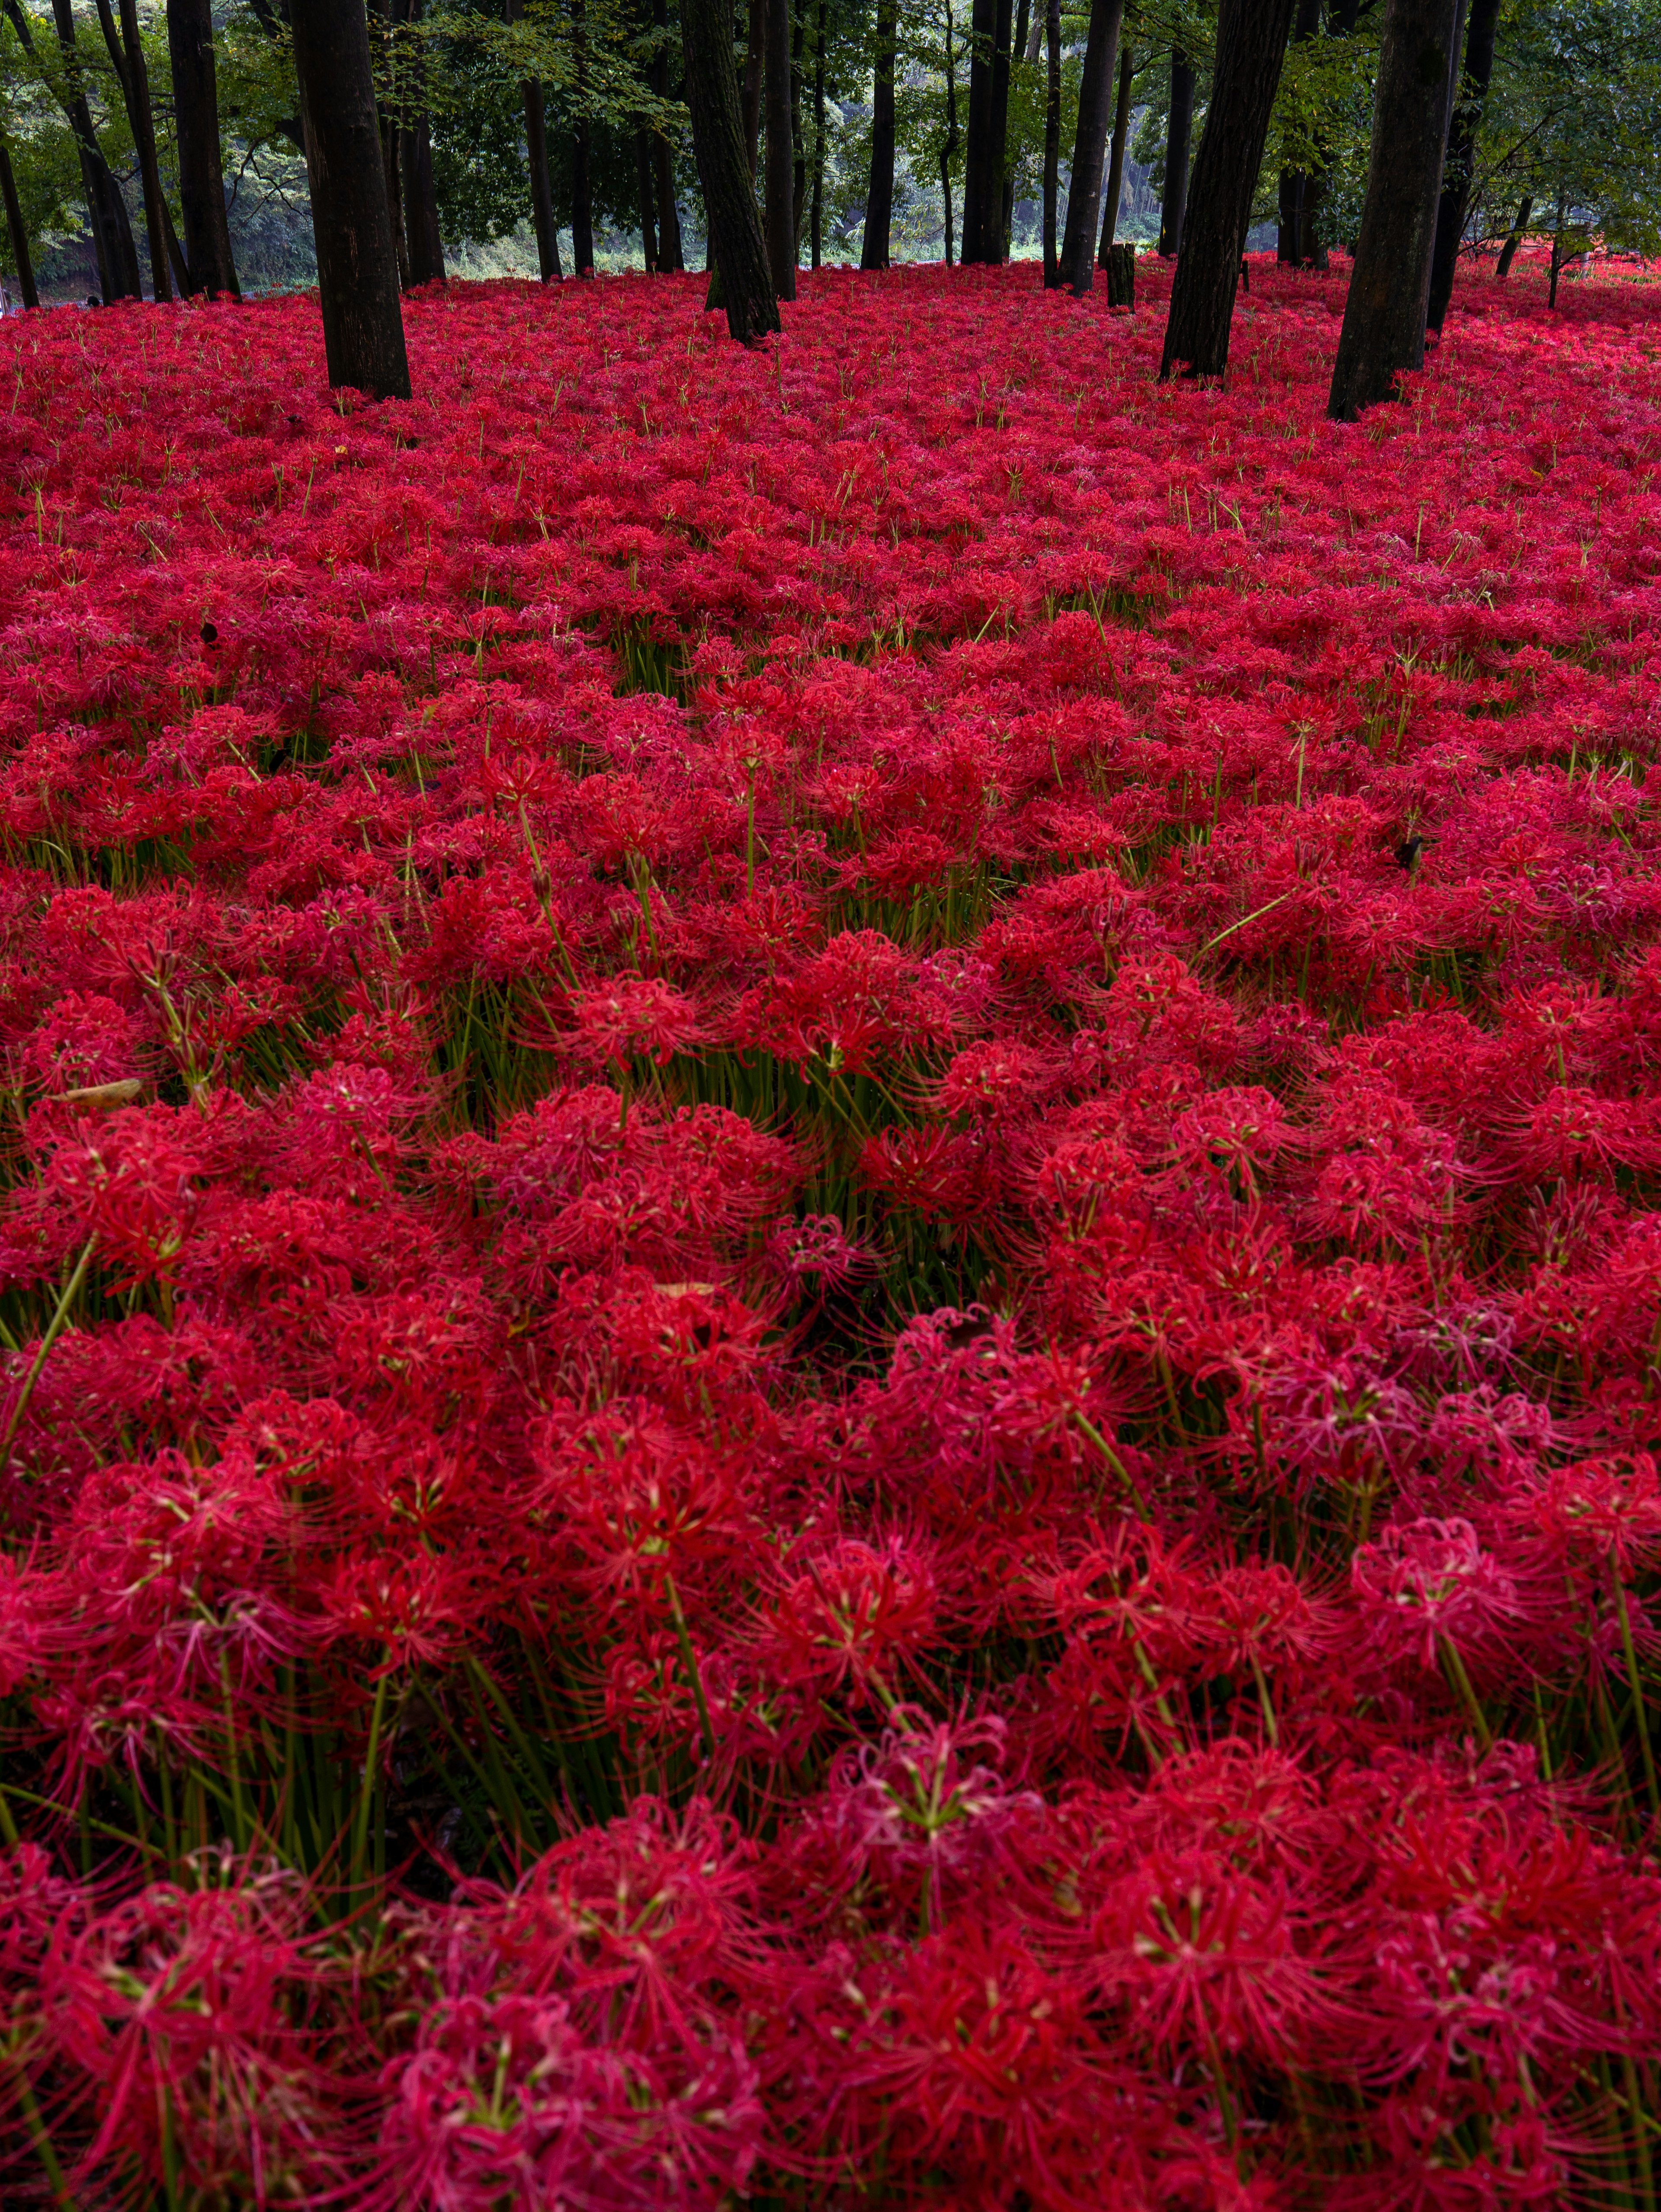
(949, 150)
(996, 250)
(201, 165)
(880, 196)
(818, 222)
(755, 78)
(1459, 169)
(1383, 330)
(1114, 190)
(978, 155)
(1557, 248)
(19, 233)
(1514, 238)
(798, 143)
(542, 184)
(1052, 141)
(1251, 41)
(1290, 244)
(1007, 223)
(356, 262)
(424, 248)
(118, 257)
(126, 54)
(738, 249)
(645, 199)
(671, 254)
(582, 205)
(1084, 191)
(781, 156)
(1178, 130)
(1121, 277)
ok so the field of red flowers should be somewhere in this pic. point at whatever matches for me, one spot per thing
(830, 1259)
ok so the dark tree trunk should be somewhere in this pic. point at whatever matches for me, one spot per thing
(818, 222)
(880, 196)
(1459, 170)
(671, 255)
(949, 150)
(356, 261)
(737, 247)
(126, 54)
(1178, 130)
(423, 245)
(1052, 141)
(781, 156)
(798, 143)
(645, 197)
(979, 153)
(118, 257)
(1514, 238)
(1084, 191)
(755, 78)
(1383, 330)
(542, 184)
(1557, 248)
(1113, 191)
(19, 233)
(994, 249)
(1121, 277)
(582, 202)
(201, 165)
(1007, 222)
(1251, 42)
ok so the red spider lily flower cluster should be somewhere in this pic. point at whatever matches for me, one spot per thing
(830, 1253)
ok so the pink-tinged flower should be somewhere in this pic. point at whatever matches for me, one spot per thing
(633, 1017)
(1431, 1582)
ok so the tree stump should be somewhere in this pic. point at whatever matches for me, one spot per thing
(1121, 277)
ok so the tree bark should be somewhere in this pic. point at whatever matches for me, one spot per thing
(126, 55)
(1514, 238)
(1178, 130)
(1290, 244)
(18, 231)
(423, 245)
(356, 261)
(978, 152)
(1084, 191)
(781, 156)
(1113, 191)
(582, 205)
(117, 256)
(996, 241)
(1383, 329)
(818, 217)
(738, 249)
(542, 184)
(1459, 170)
(949, 148)
(1557, 248)
(671, 255)
(201, 164)
(1052, 142)
(879, 196)
(755, 77)
(645, 202)
(1251, 41)
(1007, 215)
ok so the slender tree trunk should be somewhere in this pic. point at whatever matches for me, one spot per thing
(18, 232)
(542, 184)
(737, 247)
(356, 262)
(1052, 142)
(582, 205)
(424, 244)
(818, 240)
(781, 156)
(1114, 191)
(1383, 330)
(126, 54)
(1557, 247)
(1251, 41)
(1514, 238)
(1178, 130)
(755, 78)
(1458, 171)
(1017, 51)
(118, 257)
(798, 143)
(996, 247)
(978, 166)
(201, 168)
(1289, 245)
(671, 254)
(1084, 191)
(880, 196)
(949, 150)
(645, 197)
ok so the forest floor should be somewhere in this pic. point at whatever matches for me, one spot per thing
(831, 1250)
